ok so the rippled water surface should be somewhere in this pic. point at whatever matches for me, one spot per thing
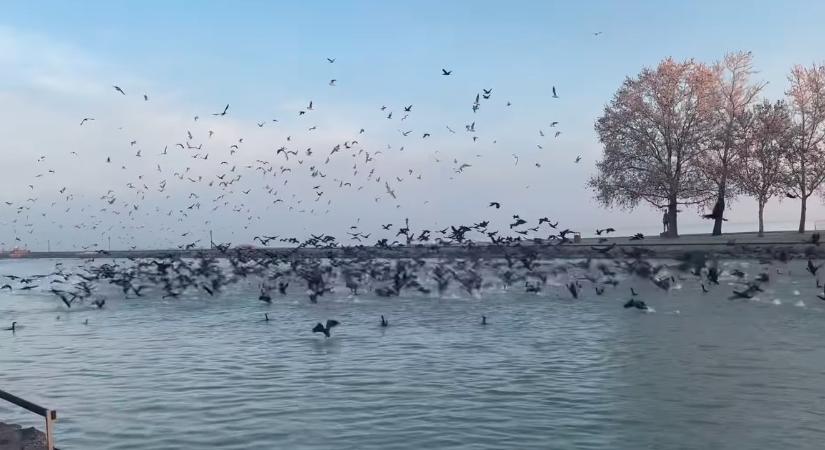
(546, 372)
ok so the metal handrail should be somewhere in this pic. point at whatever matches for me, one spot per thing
(49, 414)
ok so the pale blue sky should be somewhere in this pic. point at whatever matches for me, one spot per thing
(267, 59)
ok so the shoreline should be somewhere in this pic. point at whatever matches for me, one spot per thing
(788, 244)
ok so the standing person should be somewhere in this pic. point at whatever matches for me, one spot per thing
(664, 223)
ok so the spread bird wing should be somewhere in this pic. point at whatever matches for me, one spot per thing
(319, 328)
(332, 323)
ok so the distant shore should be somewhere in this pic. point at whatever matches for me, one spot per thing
(731, 245)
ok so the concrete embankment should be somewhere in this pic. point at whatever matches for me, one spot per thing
(778, 244)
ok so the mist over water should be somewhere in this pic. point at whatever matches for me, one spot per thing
(546, 372)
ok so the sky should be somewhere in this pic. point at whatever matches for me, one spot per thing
(268, 60)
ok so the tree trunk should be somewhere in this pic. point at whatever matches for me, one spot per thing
(761, 218)
(672, 227)
(802, 214)
(717, 221)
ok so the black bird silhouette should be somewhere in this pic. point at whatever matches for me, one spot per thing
(746, 294)
(704, 289)
(282, 287)
(12, 327)
(331, 60)
(633, 292)
(496, 205)
(266, 317)
(813, 268)
(574, 290)
(222, 113)
(99, 303)
(384, 322)
(554, 93)
(518, 222)
(638, 304)
(117, 88)
(484, 320)
(713, 275)
(716, 213)
(446, 72)
(789, 195)
(319, 328)
(637, 237)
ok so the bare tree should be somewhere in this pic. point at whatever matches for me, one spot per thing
(654, 131)
(736, 95)
(761, 171)
(806, 161)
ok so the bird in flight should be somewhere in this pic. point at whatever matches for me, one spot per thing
(223, 113)
(578, 158)
(117, 88)
(319, 328)
(446, 72)
(86, 119)
(554, 93)
(497, 205)
(331, 60)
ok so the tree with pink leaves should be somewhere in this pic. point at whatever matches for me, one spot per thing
(736, 96)
(806, 160)
(655, 132)
(761, 171)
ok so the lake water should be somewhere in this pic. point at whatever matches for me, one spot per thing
(547, 372)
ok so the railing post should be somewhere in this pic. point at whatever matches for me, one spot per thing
(49, 414)
(50, 417)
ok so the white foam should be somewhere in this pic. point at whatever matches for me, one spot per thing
(799, 304)
(795, 292)
(776, 301)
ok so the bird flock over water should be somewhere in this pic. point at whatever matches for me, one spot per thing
(319, 267)
(394, 260)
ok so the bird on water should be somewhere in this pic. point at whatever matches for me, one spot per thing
(384, 322)
(320, 328)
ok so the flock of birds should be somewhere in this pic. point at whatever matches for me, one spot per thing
(365, 263)
(209, 170)
(319, 266)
